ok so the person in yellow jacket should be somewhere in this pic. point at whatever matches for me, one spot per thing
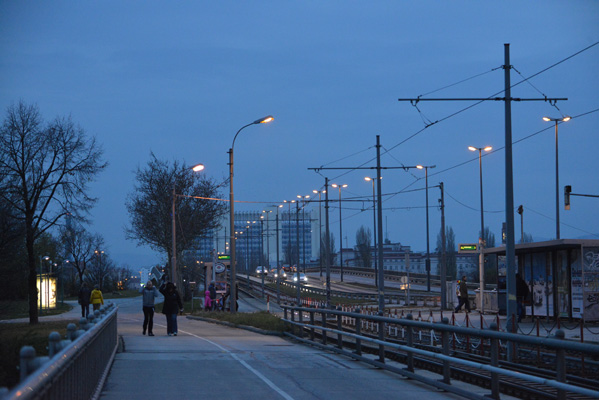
(96, 298)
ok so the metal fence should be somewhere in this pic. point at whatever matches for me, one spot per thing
(306, 332)
(78, 370)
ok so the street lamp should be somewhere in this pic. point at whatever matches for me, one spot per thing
(278, 262)
(319, 228)
(297, 232)
(233, 276)
(428, 254)
(481, 240)
(340, 229)
(195, 168)
(369, 179)
(556, 121)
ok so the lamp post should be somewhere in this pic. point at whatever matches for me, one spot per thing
(297, 241)
(195, 168)
(278, 262)
(428, 254)
(556, 121)
(319, 228)
(369, 179)
(340, 229)
(232, 211)
(481, 240)
(288, 248)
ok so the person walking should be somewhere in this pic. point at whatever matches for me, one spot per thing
(171, 307)
(207, 301)
(212, 289)
(149, 293)
(522, 293)
(96, 298)
(463, 296)
(84, 295)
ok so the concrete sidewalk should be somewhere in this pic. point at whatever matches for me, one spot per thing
(213, 361)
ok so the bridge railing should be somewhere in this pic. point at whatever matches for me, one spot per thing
(76, 367)
(305, 331)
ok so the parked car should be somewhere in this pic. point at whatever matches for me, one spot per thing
(261, 270)
(302, 278)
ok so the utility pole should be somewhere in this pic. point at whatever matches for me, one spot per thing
(509, 184)
(443, 254)
(327, 240)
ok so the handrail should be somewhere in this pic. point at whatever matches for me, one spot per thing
(555, 343)
(64, 376)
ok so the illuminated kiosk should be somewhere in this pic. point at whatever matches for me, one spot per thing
(47, 283)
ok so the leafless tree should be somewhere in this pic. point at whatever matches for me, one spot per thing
(79, 247)
(363, 238)
(45, 169)
(150, 204)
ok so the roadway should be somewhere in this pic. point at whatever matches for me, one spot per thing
(213, 361)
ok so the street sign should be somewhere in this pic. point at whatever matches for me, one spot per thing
(226, 257)
(468, 248)
(219, 268)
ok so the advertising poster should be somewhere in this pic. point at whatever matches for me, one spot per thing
(590, 288)
(576, 279)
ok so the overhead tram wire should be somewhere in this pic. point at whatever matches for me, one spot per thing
(457, 112)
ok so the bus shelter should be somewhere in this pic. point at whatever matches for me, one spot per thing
(562, 275)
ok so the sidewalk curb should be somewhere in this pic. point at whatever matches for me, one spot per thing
(232, 325)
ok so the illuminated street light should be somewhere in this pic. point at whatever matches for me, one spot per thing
(233, 276)
(481, 240)
(556, 121)
(428, 254)
(340, 229)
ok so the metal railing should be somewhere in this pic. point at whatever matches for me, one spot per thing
(556, 343)
(76, 367)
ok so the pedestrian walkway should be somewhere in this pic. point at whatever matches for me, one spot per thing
(208, 360)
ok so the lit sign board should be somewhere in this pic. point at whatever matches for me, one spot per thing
(468, 248)
(224, 256)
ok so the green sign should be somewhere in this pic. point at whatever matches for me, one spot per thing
(224, 256)
(468, 248)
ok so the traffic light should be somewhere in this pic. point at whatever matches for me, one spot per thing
(520, 210)
(567, 191)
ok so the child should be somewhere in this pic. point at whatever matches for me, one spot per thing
(207, 301)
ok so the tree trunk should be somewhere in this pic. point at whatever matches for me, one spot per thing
(32, 280)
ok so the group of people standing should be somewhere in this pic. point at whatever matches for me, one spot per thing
(88, 296)
(170, 308)
(212, 303)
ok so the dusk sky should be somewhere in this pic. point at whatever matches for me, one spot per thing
(180, 78)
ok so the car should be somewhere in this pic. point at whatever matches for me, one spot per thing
(283, 273)
(261, 270)
(302, 278)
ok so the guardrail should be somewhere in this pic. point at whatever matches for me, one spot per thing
(76, 367)
(555, 343)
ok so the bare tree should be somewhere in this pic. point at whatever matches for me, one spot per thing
(363, 237)
(79, 247)
(100, 269)
(45, 170)
(149, 206)
(450, 249)
(323, 248)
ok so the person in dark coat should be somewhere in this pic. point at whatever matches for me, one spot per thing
(522, 293)
(463, 296)
(149, 293)
(171, 307)
(84, 294)
(212, 290)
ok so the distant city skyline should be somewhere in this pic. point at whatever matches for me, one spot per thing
(179, 81)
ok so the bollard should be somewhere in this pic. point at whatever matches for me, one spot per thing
(71, 329)
(91, 320)
(324, 325)
(339, 328)
(83, 324)
(560, 365)
(445, 345)
(358, 332)
(381, 327)
(312, 324)
(410, 343)
(494, 362)
(27, 355)
(53, 343)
